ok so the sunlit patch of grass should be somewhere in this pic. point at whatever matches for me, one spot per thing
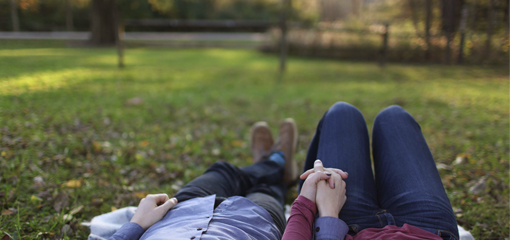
(44, 81)
(64, 116)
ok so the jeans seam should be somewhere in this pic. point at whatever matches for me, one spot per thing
(380, 220)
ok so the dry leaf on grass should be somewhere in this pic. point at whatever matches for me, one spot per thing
(76, 210)
(479, 187)
(6, 237)
(134, 101)
(73, 183)
(67, 230)
(9, 211)
(140, 194)
(61, 201)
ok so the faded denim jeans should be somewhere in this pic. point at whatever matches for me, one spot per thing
(406, 187)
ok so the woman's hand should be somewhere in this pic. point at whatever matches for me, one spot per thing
(314, 176)
(330, 201)
(152, 208)
(343, 174)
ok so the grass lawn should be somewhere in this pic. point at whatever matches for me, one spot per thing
(72, 147)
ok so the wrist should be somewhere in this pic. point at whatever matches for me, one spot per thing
(327, 214)
(139, 224)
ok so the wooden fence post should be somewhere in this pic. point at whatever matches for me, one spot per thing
(69, 16)
(384, 47)
(463, 22)
(283, 37)
(491, 20)
(428, 21)
(119, 36)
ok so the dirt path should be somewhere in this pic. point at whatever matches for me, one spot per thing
(251, 37)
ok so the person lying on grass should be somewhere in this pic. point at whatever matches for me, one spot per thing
(406, 200)
(226, 202)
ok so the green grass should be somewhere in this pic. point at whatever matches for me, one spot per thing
(63, 116)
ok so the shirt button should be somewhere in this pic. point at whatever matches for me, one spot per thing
(198, 229)
(317, 229)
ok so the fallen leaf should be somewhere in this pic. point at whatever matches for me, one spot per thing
(144, 143)
(9, 211)
(443, 166)
(61, 201)
(6, 237)
(479, 187)
(67, 230)
(97, 146)
(134, 101)
(97, 202)
(76, 210)
(45, 234)
(237, 143)
(73, 183)
(216, 152)
(35, 198)
(459, 160)
(140, 194)
(67, 217)
(38, 180)
(113, 208)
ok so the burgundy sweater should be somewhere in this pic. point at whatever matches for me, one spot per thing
(301, 223)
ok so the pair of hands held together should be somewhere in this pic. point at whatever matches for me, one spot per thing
(326, 188)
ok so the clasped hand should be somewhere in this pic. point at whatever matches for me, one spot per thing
(152, 208)
(326, 188)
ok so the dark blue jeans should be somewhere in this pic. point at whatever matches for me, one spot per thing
(261, 183)
(406, 187)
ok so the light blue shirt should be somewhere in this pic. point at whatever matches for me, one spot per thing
(235, 218)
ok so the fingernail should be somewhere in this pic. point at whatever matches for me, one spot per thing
(317, 161)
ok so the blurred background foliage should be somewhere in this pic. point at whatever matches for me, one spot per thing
(49, 15)
(430, 31)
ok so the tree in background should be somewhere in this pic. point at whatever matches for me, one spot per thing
(103, 18)
(14, 16)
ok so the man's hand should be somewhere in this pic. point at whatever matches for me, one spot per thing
(330, 201)
(152, 208)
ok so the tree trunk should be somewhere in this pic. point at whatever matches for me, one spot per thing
(448, 17)
(69, 16)
(414, 15)
(355, 7)
(463, 23)
(14, 16)
(103, 29)
(428, 21)
(506, 19)
(384, 46)
(490, 26)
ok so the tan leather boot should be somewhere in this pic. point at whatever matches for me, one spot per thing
(287, 143)
(261, 141)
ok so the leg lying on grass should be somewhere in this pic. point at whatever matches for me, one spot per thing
(406, 200)
(226, 202)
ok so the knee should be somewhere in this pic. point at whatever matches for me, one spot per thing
(342, 109)
(392, 113)
(223, 167)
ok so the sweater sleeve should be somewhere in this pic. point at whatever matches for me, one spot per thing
(128, 231)
(300, 223)
(330, 228)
